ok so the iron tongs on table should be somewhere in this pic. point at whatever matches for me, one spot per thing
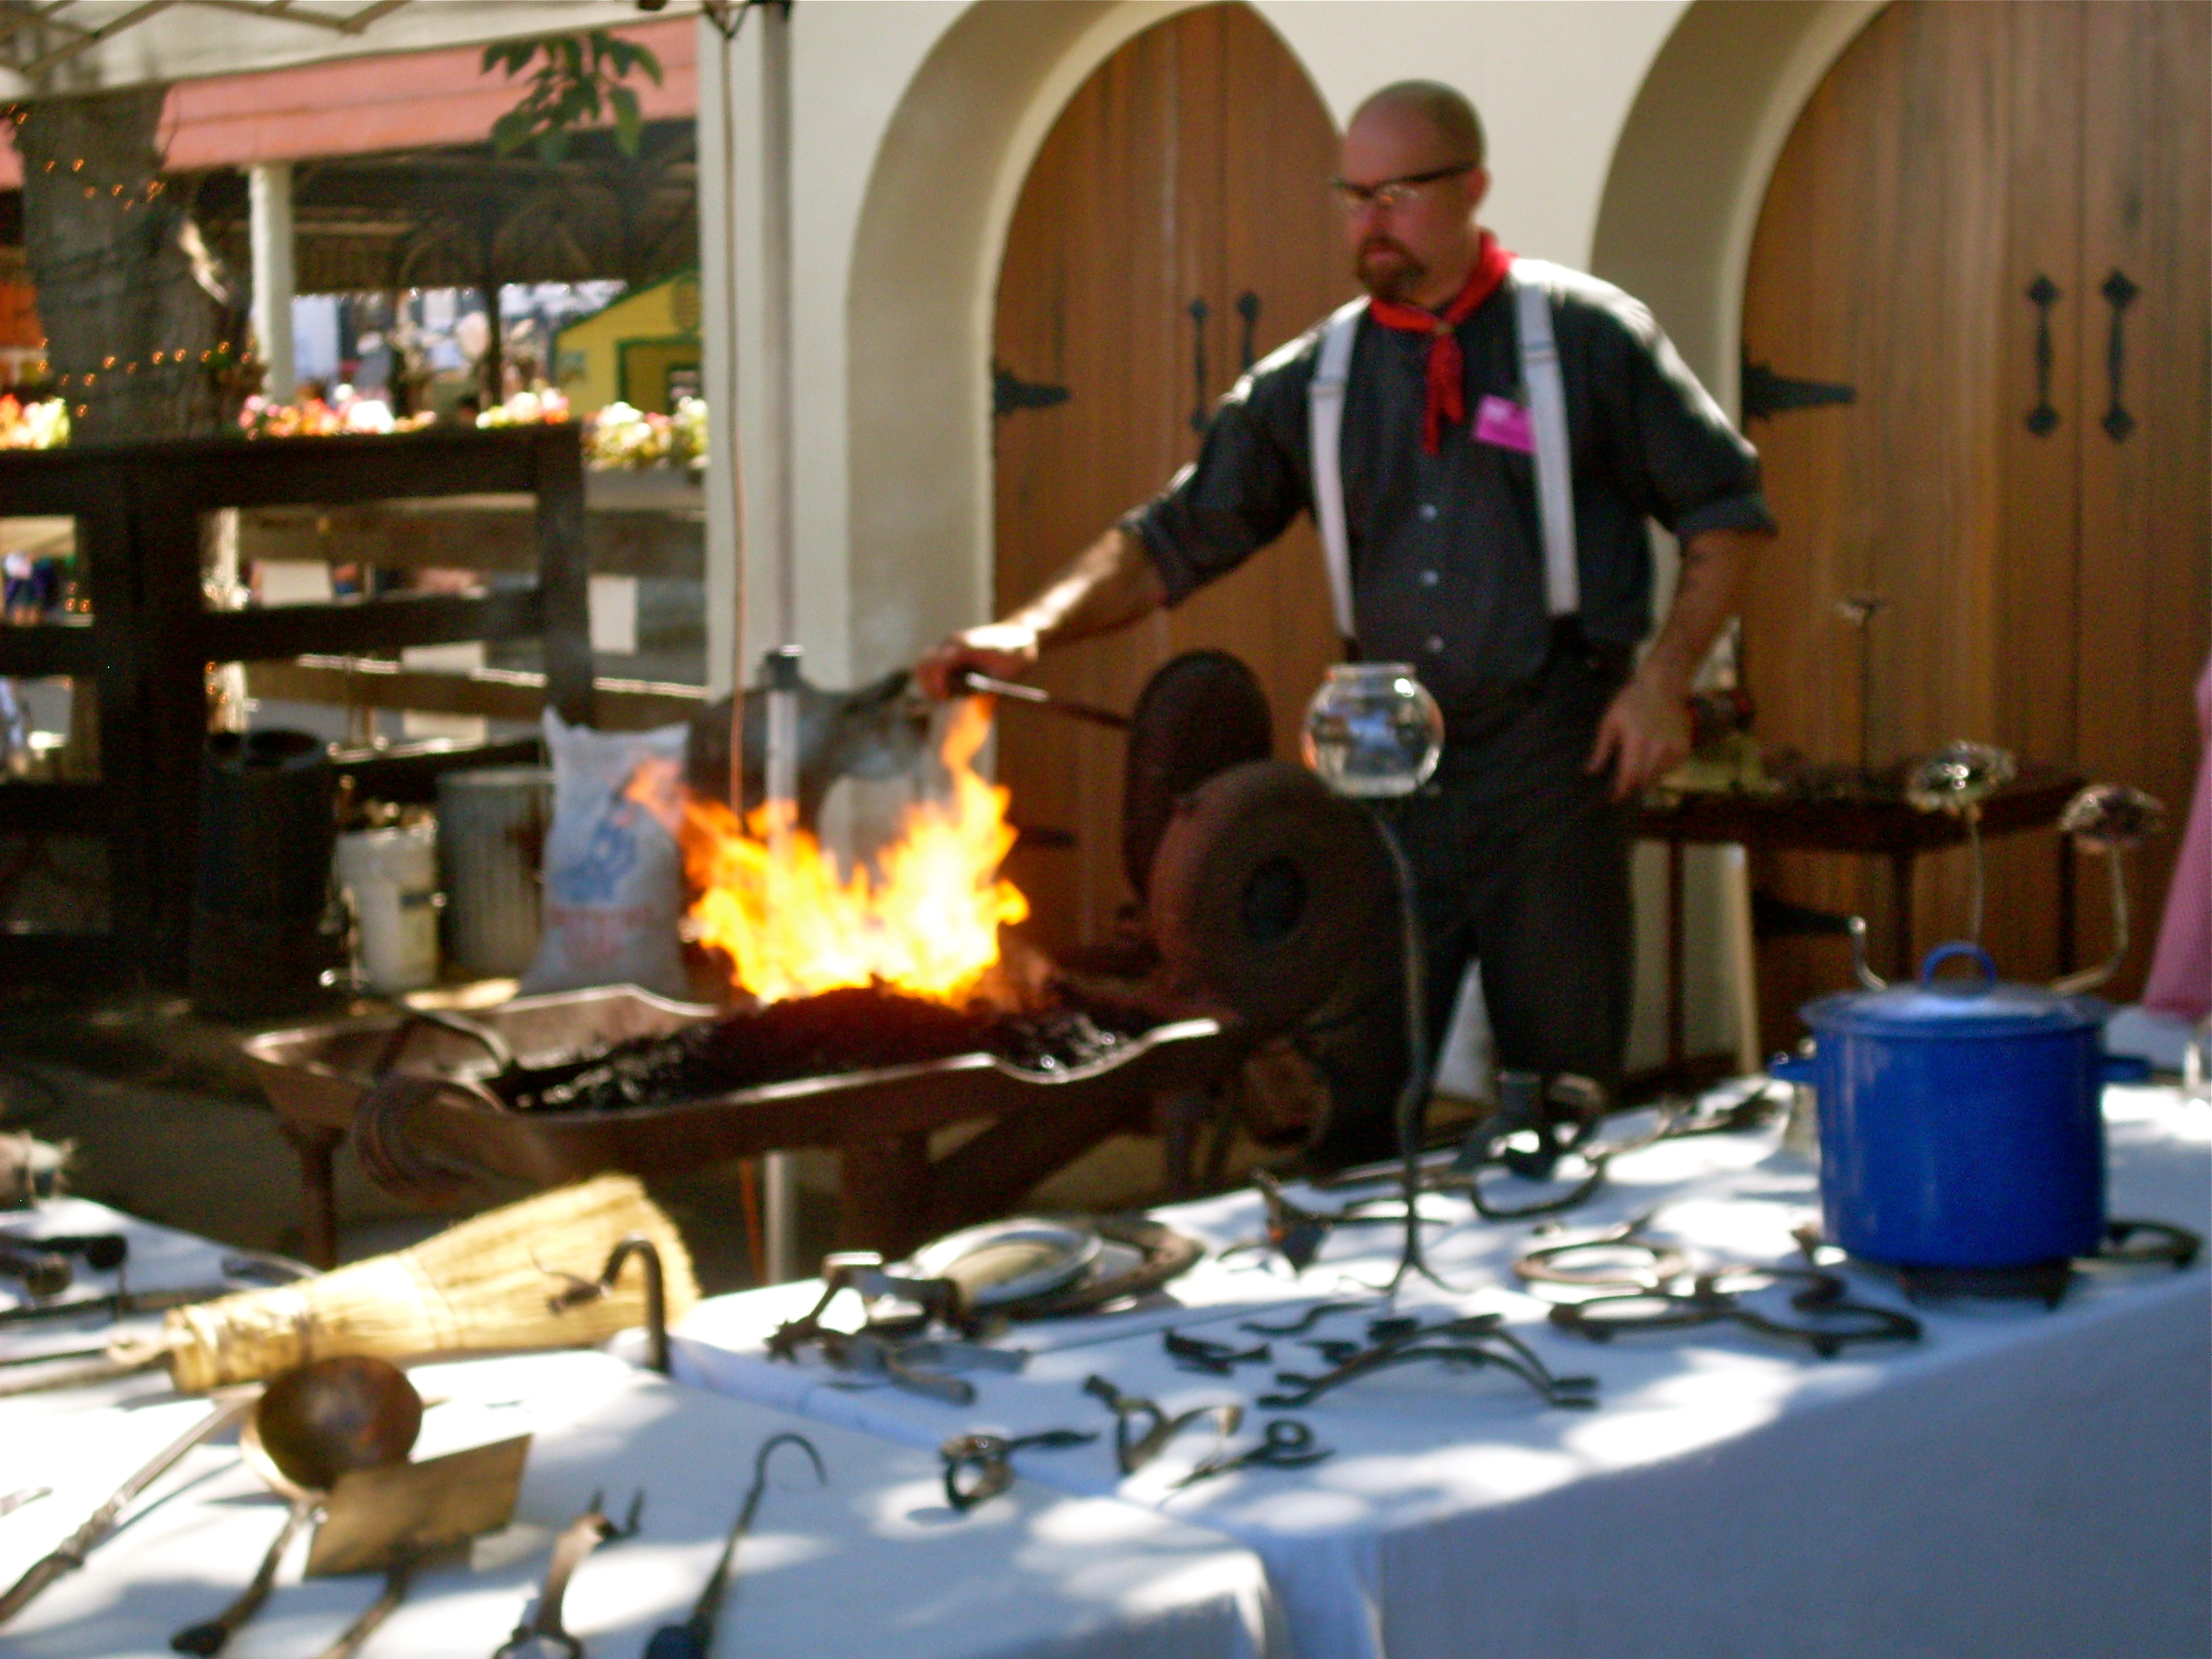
(1467, 1342)
(543, 1637)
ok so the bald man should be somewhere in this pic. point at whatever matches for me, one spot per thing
(1520, 844)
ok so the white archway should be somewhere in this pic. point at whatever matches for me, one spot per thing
(924, 276)
(1689, 173)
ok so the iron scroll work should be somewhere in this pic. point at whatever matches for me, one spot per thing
(2043, 293)
(2119, 293)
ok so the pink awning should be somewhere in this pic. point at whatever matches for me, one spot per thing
(360, 106)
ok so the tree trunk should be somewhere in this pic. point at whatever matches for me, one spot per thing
(143, 335)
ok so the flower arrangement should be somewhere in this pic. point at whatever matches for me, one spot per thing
(621, 438)
(43, 425)
(345, 412)
(540, 404)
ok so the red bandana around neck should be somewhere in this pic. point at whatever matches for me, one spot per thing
(1447, 365)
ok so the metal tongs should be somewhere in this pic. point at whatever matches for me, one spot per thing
(983, 685)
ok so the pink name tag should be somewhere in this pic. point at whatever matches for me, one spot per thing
(1499, 421)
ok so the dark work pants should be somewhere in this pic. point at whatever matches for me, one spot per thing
(1521, 862)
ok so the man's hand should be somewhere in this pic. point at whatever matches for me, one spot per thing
(1646, 732)
(1001, 650)
(1644, 735)
(1111, 583)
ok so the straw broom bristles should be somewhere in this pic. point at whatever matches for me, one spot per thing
(489, 1283)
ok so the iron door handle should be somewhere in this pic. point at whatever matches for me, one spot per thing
(2043, 293)
(1247, 307)
(1199, 311)
(2119, 293)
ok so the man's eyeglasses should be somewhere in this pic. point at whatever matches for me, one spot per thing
(1391, 193)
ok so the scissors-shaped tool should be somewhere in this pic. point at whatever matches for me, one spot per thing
(981, 1466)
(544, 1636)
(1288, 1444)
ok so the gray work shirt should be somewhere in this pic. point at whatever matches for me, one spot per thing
(1446, 551)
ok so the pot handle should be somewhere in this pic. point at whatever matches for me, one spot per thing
(1958, 947)
(1791, 1068)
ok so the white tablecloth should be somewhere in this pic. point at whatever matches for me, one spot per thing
(875, 1563)
(2022, 1482)
(161, 1258)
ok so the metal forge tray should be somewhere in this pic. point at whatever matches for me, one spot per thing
(893, 1194)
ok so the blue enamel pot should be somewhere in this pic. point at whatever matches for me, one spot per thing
(1960, 1120)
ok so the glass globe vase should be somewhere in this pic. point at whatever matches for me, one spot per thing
(1373, 731)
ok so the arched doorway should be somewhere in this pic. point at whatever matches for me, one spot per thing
(1993, 224)
(1173, 226)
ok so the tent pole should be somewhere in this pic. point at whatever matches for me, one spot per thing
(781, 769)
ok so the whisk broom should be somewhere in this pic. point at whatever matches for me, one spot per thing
(509, 1279)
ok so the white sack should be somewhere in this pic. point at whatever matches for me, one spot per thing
(614, 880)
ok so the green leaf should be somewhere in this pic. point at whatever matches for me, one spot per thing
(630, 124)
(512, 130)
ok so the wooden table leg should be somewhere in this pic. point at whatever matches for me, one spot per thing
(319, 1206)
(2068, 946)
(1901, 965)
(1678, 1042)
(883, 1189)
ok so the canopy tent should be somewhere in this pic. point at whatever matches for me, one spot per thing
(49, 47)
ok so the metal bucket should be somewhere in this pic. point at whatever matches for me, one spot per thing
(491, 842)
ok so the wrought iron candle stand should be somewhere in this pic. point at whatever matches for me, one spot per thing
(1373, 732)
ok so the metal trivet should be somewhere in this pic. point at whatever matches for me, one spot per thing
(2127, 1243)
(1646, 1285)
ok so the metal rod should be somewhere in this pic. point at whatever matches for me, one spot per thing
(70, 1553)
(781, 772)
(695, 1638)
(983, 685)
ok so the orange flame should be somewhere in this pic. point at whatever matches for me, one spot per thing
(792, 925)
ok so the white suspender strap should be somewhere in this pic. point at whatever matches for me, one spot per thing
(1325, 432)
(1547, 415)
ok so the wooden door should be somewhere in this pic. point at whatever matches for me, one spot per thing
(1939, 235)
(1175, 226)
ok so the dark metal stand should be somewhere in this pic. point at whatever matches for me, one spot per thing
(1420, 1067)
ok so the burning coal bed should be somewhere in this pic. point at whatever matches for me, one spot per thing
(851, 1030)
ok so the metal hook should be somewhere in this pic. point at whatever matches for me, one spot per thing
(695, 1638)
(580, 1290)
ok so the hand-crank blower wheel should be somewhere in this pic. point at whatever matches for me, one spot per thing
(1201, 714)
(1265, 886)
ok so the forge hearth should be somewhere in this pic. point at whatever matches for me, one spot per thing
(855, 1029)
(436, 1116)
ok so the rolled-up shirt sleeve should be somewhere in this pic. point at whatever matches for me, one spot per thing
(1249, 481)
(1695, 471)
